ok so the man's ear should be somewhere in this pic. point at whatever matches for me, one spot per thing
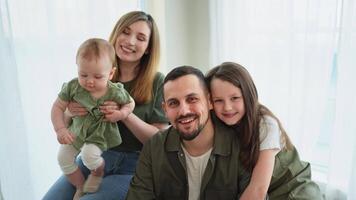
(164, 107)
(112, 73)
(210, 101)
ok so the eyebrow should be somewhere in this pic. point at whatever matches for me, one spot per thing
(192, 94)
(142, 34)
(186, 96)
(139, 33)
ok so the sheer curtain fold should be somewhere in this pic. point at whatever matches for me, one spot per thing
(343, 151)
(13, 143)
(38, 43)
(300, 54)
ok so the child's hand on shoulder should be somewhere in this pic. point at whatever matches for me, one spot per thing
(64, 136)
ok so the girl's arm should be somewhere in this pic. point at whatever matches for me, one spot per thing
(64, 136)
(261, 176)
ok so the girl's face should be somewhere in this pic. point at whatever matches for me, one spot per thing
(227, 101)
(132, 43)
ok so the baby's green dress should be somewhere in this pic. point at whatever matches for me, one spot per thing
(91, 128)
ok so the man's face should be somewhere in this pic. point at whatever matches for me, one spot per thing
(186, 105)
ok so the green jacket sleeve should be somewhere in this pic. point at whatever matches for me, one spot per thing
(141, 186)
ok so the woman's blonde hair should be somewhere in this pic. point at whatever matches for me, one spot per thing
(142, 88)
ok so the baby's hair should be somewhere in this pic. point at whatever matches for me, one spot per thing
(95, 48)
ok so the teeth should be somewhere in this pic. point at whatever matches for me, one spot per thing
(186, 121)
(126, 49)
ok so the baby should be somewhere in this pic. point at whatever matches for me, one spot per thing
(90, 134)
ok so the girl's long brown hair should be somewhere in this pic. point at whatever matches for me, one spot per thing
(142, 88)
(250, 122)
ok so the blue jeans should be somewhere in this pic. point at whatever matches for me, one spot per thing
(119, 169)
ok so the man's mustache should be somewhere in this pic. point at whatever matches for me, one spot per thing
(189, 115)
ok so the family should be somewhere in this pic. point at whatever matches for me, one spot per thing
(186, 135)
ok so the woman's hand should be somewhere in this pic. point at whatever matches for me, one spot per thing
(64, 136)
(111, 110)
(76, 109)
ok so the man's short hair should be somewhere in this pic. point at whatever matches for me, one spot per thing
(186, 70)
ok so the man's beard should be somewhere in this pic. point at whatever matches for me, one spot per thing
(190, 136)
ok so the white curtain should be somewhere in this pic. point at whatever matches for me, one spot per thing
(1, 197)
(38, 43)
(343, 142)
(301, 55)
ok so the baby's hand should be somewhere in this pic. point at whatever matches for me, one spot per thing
(64, 136)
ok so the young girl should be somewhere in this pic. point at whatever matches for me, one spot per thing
(266, 150)
(90, 133)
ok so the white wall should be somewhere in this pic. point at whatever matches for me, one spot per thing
(186, 34)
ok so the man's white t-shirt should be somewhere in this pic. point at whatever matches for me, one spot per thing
(195, 170)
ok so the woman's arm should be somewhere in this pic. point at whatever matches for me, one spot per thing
(261, 176)
(142, 130)
(120, 113)
(73, 109)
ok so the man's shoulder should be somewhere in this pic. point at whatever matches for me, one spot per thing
(166, 140)
(158, 140)
(160, 136)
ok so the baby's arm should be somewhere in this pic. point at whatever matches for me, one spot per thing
(114, 115)
(64, 136)
(261, 176)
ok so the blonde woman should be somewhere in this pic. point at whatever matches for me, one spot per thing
(136, 41)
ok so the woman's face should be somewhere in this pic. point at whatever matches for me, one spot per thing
(228, 101)
(132, 43)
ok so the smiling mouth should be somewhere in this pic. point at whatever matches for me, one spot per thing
(186, 119)
(229, 115)
(127, 49)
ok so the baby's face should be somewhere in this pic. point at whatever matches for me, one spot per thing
(94, 74)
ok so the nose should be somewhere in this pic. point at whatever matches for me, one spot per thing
(227, 106)
(184, 109)
(90, 81)
(132, 39)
